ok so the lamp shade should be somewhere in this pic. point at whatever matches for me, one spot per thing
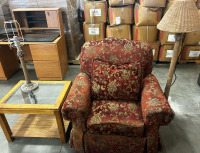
(182, 17)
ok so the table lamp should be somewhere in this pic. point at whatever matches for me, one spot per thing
(15, 42)
(182, 17)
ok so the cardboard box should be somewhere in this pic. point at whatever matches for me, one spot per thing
(120, 31)
(166, 52)
(192, 38)
(121, 2)
(198, 4)
(191, 53)
(167, 7)
(94, 31)
(145, 33)
(146, 16)
(95, 11)
(121, 15)
(153, 3)
(166, 38)
(155, 49)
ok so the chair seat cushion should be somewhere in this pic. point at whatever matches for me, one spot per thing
(116, 82)
(116, 117)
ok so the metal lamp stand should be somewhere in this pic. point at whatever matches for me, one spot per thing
(28, 86)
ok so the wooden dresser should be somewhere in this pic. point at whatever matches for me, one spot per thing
(8, 62)
(49, 57)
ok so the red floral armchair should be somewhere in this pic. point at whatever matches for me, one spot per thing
(115, 104)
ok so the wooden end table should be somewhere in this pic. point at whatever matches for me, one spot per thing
(41, 111)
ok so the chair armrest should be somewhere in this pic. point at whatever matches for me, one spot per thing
(77, 105)
(155, 107)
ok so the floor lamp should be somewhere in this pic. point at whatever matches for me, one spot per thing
(182, 17)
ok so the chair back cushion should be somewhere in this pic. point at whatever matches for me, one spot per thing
(116, 51)
(116, 82)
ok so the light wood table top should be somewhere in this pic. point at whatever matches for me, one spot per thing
(41, 111)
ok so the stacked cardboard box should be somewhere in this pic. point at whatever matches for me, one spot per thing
(120, 18)
(167, 44)
(95, 13)
(147, 15)
(169, 3)
(191, 49)
(167, 40)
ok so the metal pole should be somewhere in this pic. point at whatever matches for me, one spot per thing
(20, 54)
(28, 86)
(26, 75)
(178, 38)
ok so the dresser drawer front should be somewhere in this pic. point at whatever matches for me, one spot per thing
(47, 69)
(44, 52)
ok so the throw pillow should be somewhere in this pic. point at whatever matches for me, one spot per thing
(116, 82)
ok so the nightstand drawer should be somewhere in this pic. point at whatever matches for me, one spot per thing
(47, 69)
(44, 52)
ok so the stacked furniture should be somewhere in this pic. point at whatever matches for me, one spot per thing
(44, 41)
(104, 102)
(95, 13)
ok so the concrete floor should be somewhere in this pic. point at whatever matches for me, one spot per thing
(180, 136)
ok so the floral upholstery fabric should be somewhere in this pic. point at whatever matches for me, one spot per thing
(155, 107)
(116, 82)
(116, 51)
(76, 139)
(116, 118)
(96, 143)
(77, 105)
(116, 126)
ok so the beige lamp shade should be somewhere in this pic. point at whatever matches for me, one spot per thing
(182, 17)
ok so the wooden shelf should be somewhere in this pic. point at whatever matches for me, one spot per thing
(37, 21)
(38, 28)
(36, 16)
(36, 9)
(37, 126)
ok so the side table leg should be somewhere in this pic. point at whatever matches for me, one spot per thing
(61, 127)
(5, 127)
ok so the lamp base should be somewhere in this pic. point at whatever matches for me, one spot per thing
(28, 87)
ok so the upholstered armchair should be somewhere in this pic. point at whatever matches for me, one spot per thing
(115, 104)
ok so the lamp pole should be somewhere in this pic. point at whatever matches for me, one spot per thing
(28, 86)
(178, 38)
